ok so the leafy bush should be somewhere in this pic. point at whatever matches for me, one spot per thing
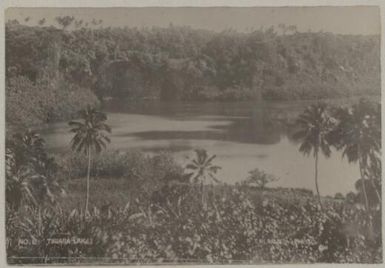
(233, 228)
(30, 171)
(259, 179)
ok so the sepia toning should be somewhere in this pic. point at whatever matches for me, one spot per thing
(193, 135)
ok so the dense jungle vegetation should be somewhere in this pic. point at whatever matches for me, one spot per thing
(92, 204)
(50, 70)
(149, 209)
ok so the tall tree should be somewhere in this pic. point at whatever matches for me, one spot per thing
(314, 127)
(358, 135)
(90, 136)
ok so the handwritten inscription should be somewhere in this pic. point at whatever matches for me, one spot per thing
(23, 242)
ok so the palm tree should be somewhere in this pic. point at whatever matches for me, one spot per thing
(358, 135)
(314, 126)
(90, 136)
(362, 184)
(202, 169)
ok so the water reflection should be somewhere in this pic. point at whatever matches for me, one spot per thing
(243, 135)
(247, 130)
(248, 122)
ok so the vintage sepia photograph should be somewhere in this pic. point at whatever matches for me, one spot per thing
(192, 135)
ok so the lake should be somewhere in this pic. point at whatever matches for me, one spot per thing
(244, 135)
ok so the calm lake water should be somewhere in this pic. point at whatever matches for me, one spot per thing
(243, 135)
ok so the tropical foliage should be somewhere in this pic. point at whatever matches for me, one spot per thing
(358, 134)
(29, 104)
(164, 221)
(258, 178)
(202, 170)
(314, 126)
(235, 228)
(50, 72)
(89, 137)
(181, 63)
(30, 171)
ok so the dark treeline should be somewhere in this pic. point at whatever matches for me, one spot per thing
(178, 63)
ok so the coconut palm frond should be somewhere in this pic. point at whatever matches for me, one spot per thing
(90, 131)
(90, 134)
(201, 167)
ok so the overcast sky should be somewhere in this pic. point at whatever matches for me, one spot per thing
(345, 20)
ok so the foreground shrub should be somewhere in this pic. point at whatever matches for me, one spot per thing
(232, 228)
(30, 171)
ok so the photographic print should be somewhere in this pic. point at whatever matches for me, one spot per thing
(193, 135)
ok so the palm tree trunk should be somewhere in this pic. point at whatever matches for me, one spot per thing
(316, 179)
(374, 186)
(365, 197)
(202, 197)
(360, 164)
(88, 179)
(377, 193)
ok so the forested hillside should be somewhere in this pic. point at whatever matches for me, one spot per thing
(72, 66)
(181, 177)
